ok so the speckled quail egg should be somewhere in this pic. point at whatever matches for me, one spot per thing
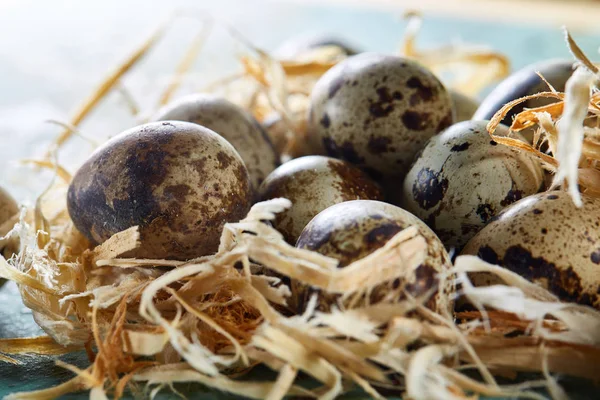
(352, 230)
(179, 182)
(313, 183)
(377, 111)
(546, 239)
(233, 123)
(8, 208)
(464, 107)
(463, 178)
(297, 45)
(523, 83)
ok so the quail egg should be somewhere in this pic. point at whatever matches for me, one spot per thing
(297, 45)
(464, 107)
(546, 239)
(463, 178)
(313, 183)
(523, 83)
(179, 182)
(238, 127)
(8, 208)
(352, 230)
(377, 111)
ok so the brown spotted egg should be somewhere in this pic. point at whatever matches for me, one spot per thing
(296, 46)
(8, 206)
(352, 230)
(524, 82)
(312, 184)
(463, 178)
(8, 209)
(238, 127)
(377, 111)
(546, 239)
(179, 182)
(464, 107)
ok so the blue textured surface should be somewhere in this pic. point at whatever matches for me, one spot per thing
(51, 58)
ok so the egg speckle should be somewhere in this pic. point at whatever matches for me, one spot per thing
(376, 111)
(352, 230)
(234, 124)
(178, 181)
(463, 178)
(546, 239)
(312, 184)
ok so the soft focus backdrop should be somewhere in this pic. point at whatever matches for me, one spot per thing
(54, 53)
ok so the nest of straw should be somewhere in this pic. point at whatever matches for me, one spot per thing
(212, 319)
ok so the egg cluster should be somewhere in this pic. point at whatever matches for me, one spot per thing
(390, 148)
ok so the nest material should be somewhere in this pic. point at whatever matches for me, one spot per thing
(210, 320)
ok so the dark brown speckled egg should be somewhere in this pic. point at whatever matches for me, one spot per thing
(376, 111)
(352, 230)
(312, 184)
(238, 127)
(522, 83)
(463, 178)
(180, 182)
(547, 240)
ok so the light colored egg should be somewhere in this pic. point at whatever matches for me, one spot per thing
(297, 45)
(313, 183)
(8, 209)
(352, 230)
(234, 124)
(376, 111)
(463, 178)
(546, 239)
(464, 107)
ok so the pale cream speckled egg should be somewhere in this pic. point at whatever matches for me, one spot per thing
(546, 239)
(234, 124)
(377, 111)
(464, 107)
(8, 208)
(352, 230)
(463, 178)
(312, 184)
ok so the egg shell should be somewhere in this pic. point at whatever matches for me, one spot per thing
(8, 206)
(295, 46)
(180, 182)
(377, 111)
(352, 230)
(8, 209)
(522, 83)
(463, 106)
(546, 239)
(312, 184)
(238, 127)
(463, 178)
